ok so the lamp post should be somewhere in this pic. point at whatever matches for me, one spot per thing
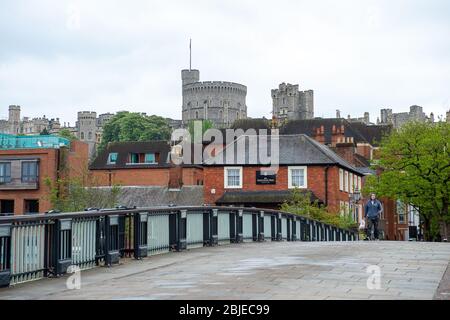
(354, 198)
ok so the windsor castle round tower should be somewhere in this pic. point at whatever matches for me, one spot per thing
(220, 102)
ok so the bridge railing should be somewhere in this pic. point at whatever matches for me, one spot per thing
(37, 246)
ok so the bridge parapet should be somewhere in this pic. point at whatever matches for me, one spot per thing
(43, 245)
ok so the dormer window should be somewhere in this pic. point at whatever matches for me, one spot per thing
(112, 158)
(142, 158)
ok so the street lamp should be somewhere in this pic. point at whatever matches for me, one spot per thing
(354, 198)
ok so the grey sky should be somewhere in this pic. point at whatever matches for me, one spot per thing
(58, 57)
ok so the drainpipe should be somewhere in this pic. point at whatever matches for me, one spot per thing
(326, 185)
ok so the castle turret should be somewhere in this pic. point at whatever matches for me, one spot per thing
(14, 119)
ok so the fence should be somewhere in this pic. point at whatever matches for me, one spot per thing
(37, 246)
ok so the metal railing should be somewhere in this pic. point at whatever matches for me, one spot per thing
(37, 246)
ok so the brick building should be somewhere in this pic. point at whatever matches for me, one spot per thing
(142, 164)
(303, 163)
(27, 161)
(358, 142)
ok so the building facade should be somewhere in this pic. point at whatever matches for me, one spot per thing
(218, 101)
(398, 119)
(142, 164)
(291, 104)
(303, 163)
(26, 162)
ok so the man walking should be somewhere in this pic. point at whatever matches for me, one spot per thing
(372, 211)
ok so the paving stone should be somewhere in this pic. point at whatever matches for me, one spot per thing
(272, 270)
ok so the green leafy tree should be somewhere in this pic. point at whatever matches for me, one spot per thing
(76, 193)
(414, 166)
(132, 126)
(65, 133)
(44, 132)
(300, 204)
(205, 125)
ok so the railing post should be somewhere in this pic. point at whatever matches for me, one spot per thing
(62, 245)
(294, 228)
(112, 240)
(5, 255)
(182, 230)
(279, 227)
(239, 226)
(214, 227)
(140, 235)
(261, 226)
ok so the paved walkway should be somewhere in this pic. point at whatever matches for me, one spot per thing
(287, 270)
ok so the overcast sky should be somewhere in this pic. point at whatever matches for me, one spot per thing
(58, 57)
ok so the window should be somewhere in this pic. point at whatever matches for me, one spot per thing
(355, 182)
(401, 212)
(7, 206)
(134, 158)
(29, 171)
(297, 177)
(82, 136)
(341, 179)
(346, 181)
(233, 177)
(150, 158)
(31, 206)
(196, 114)
(90, 135)
(112, 158)
(359, 183)
(5, 172)
(351, 182)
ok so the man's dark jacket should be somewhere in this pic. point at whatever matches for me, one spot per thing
(373, 210)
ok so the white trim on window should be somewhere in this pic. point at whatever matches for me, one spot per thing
(305, 177)
(351, 182)
(346, 181)
(225, 178)
(341, 179)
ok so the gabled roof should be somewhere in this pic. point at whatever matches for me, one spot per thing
(292, 150)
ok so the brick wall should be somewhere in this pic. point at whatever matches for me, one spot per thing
(214, 179)
(146, 177)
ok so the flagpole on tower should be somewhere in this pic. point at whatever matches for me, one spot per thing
(190, 54)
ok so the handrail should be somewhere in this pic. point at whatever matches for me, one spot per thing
(41, 245)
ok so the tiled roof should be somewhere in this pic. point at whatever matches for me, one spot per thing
(293, 150)
(359, 131)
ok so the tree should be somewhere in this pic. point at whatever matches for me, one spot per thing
(197, 137)
(65, 133)
(78, 192)
(44, 132)
(132, 126)
(300, 204)
(414, 166)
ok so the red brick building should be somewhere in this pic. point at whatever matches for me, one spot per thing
(303, 163)
(142, 164)
(358, 143)
(27, 161)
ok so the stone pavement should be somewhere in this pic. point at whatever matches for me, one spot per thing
(278, 270)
